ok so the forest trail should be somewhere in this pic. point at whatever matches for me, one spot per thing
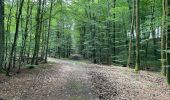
(73, 80)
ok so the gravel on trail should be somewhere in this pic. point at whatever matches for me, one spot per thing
(73, 80)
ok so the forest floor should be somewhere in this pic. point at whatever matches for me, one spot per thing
(73, 80)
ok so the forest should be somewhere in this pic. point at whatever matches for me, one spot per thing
(85, 37)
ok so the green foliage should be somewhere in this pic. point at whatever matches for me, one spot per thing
(99, 30)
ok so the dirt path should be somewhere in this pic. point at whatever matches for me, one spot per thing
(66, 80)
(71, 80)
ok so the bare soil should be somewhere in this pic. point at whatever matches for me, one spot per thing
(72, 80)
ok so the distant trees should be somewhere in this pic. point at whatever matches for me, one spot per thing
(125, 32)
(62, 35)
(98, 31)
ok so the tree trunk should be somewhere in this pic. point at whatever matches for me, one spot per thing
(37, 35)
(163, 38)
(131, 33)
(114, 34)
(15, 37)
(25, 34)
(168, 44)
(2, 33)
(49, 30)
(153, 29)
(137, 67)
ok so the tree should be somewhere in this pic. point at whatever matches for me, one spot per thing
(102, 31)
(37, 34)
(8, 31)
(132, 13)
(137, 66)
(15, 37)
(29, 11)
(49, 30)
(2, 33)
(168, 42)
(163, 38)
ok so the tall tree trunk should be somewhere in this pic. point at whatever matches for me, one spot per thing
(15, 37)
(153, 29)
(49, 30)
(114, 34)
(30, 39)
(137, 67)
(108, 33)
(37, 35)
(131, 33)
(163, 38)
(25, 34)
(168, 43)
(8, 35)
(2, 32)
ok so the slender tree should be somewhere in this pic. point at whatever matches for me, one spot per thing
(37, 34)
(163, 38)
(29, 10)
(114, 33)
(153, 29)
(15, 38)
(137, 67)
(168, 43)
(8, 31)
(132, 10)
(49, 30)
(2, 32)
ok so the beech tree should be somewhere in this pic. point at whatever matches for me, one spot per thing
(167, 3)
(132, 15)
(49, 30)
(137, 66)
(15, 37)
(2, 33)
